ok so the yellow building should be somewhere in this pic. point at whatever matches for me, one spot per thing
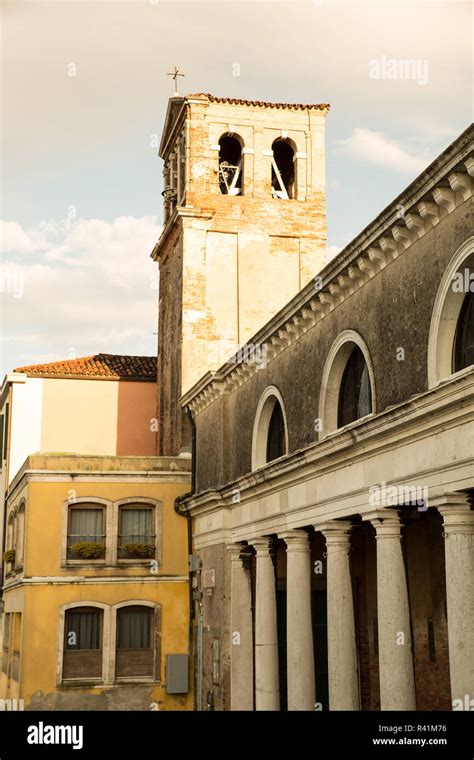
(95, 583)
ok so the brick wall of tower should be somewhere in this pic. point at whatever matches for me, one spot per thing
(240, 259)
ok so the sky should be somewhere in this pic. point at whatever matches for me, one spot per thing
(84, 91)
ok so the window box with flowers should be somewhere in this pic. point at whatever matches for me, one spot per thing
(86, 538)
(136, 540)
(88, 550)
(139, 550)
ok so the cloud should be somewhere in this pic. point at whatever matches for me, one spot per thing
(76, 287)
(14, 238)
(376, 148)
(332, 250)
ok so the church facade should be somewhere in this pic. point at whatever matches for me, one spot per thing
(333, 454)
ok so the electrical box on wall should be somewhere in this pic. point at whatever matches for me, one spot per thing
(177, 673)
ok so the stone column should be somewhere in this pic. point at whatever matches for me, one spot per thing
(342, 650)
(299, 626)
(397, 681)
(267, 687)
(458, 521)
(241, 631)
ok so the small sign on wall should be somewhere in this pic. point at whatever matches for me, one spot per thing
(208, 578)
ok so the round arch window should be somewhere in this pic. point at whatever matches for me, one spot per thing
(283, 170)
(276, 434)
(355, 395)
(464, 343)
(270, 434)
(230, 165)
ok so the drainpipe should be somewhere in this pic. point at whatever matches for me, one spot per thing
(178, 509)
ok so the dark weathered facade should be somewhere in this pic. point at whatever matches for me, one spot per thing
(356, 537)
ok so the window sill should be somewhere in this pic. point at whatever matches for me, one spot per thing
(349, 426)
(453, 376)
(119, 564)
(83, 682)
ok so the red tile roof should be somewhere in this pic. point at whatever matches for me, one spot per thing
(263, 103)
(98, 366)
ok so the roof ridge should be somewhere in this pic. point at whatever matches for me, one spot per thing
(117, 366)
(251, 102)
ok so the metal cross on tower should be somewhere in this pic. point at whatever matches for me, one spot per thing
(175, 74)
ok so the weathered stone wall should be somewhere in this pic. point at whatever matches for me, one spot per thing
(216, 626)
(390, 311)
(229, 263)
(169, 349)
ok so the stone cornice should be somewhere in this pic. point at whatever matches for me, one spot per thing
(84, 468)
(437, 192)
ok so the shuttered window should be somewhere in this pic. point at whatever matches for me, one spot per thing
(83, 643)
(135, 635)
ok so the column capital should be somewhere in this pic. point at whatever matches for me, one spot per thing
(295, 540)
(262, 545)
(336, 532)
(387, 522)
(456, 511)
(453, 504)
(450, 500)
(235, 550)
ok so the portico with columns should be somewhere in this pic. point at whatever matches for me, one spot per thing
(394, 644)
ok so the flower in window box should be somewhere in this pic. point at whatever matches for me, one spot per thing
(140, 550)
(9, 555)
(88, 550)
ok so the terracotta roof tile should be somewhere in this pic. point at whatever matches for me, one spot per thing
(263, 103)
(98, 366)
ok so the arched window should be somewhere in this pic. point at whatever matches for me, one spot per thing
(83, 634)
(230, 165)
(86, 532)
(137, 537)
(10, 543)
(348, 385)
(276, 434)
(20, 536)
(270, 437)
(355, 396)
(135, 655)
(283, 170)
(450, 342)
(464, 342)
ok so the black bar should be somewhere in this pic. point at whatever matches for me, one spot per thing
(219, 734)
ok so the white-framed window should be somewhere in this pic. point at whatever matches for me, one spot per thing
(347, 385)
(270, 432)
(451, 333)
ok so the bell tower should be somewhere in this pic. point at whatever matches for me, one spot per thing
(244, 231)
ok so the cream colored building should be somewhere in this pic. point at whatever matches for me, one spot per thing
(95, 567)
